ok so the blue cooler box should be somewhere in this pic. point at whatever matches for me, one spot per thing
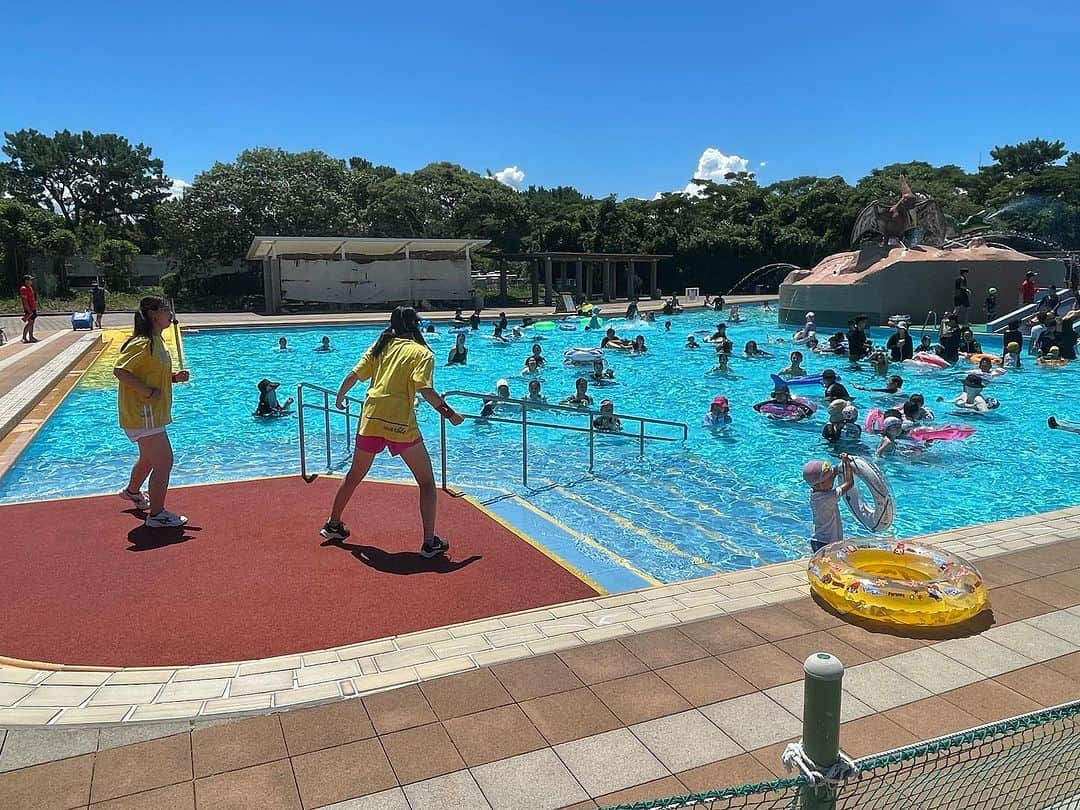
(82, 320)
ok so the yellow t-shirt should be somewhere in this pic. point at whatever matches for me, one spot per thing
(149, 360)
(403, 368)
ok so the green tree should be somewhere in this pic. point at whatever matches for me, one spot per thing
(264, 192)
(25, 231)
(116, 259)
(85, 177)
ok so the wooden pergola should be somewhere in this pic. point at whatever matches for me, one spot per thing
(576, 272)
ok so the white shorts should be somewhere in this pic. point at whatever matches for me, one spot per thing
(141, 433)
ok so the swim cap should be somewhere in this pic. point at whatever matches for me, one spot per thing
(605, 402)
(851, 413)
(902, 325)
(810, 316)
(814, 472)
(501, 383)
(892, 424)
(993, 290)
(1055, 350)
(721, 401)
(1013, 347)
(836, 409)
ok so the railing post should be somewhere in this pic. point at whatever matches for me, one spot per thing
(442, 444)
(326, 425)
(524, 444)
(300, 412)
(592, 445)
(822, 682)
(641, 440)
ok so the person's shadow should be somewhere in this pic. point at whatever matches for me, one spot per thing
(143, 538)
(402, 563)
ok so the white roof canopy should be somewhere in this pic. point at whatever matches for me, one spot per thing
(265, 246)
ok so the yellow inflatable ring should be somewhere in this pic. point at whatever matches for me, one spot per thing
(897, 582)
(976, 358)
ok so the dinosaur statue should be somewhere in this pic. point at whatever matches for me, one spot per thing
(909, 212)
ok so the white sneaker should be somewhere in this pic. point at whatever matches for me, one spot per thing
(165, 519)
(138, 498)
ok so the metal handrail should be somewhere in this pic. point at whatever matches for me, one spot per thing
(527, 404)
(326, 410)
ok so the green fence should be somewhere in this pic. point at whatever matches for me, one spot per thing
(1031, 761)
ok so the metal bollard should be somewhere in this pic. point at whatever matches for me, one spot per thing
(822, 682)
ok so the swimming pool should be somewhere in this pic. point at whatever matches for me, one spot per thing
(716, 502)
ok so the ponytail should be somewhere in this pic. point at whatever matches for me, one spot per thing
(404, 323)
(143, 327)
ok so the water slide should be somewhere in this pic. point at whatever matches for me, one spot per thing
(1067, 301)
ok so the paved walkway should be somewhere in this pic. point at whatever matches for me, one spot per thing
(52, 323)
(707, 703)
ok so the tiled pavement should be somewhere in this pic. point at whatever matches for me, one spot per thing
(706, 703)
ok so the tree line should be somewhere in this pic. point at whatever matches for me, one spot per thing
(102, 196)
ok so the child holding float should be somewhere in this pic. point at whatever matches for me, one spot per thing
(825, 498)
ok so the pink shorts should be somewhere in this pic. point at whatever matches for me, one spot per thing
(376, 444)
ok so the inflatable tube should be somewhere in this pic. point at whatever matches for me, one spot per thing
(961, 402)
(928, 359)
(544, 326)
(977, 358)
(567, 326)
(809, 379)
(879, 516)
(945, 433)
(582, 356)
(875, 421)
(790, 412)
(897, 582)
(1044, 361)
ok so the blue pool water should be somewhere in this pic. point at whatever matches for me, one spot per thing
(715, 502)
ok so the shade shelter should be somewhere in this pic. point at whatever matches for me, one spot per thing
(591, 275)
(347, 270)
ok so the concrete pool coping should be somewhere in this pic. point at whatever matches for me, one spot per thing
(43, 695)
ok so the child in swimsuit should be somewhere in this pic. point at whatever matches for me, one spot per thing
(825, 498)
(606, 420)
(795, 369)
(580, 396)
(719, 414)
(691, 342)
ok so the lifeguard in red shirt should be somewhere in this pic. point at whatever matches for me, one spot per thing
(29, 305)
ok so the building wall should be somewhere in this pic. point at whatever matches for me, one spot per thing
(376, 282)
(912, 288)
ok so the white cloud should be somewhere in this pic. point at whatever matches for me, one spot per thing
(713, 165)
(511, 176)
(178, 189)
(763, 164)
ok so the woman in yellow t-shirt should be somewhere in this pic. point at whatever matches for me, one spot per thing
(144, 369)
(399, 365)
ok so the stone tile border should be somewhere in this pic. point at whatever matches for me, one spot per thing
(21, 399)
(42, 696)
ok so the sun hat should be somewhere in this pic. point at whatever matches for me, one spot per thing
(814, 472)
(993, 291)
(973, 381)
(810, 316)
(265, 383)
(721, 401)
(500, 383)
(828, 374)
(1054, 350)
(605, 402)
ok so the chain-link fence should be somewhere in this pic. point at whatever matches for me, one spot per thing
(1031, 761)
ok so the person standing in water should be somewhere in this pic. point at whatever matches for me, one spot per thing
(144, 369)
(400, 366)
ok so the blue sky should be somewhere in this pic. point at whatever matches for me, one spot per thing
(610, 97)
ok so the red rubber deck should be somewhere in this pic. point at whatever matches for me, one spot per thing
(85, 583)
